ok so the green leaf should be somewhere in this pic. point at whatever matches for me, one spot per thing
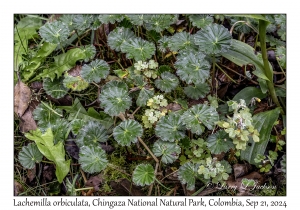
(187, 174)
(219, 142)
(95, 71)
(181, 41)
(159, 23)
(254, 16)
(163, 44)
(92, 159)
(90, 52)
(192, 67)
(248, 93)
(169, 151)
(127, 132)
(114, 100)
(242, 54)
(76, 83)
(144, 95)
(119, 36)
(201, 21)
(55, 32)
(82, 22)
(30, 155)
(68, 20)
(71, 189)
(91, 134)
(77, 125)
(199, 115)
(38, 59)
(62, 63)
(55, 153)
(138, 49)
(55, 88)
(213, 39)
(170, 128)
(167, 83)
(137, 19)
(263, 122)
(110, 18)
(143, 175)
(60, 130)
(46, 115)
(197, 91)
(281, 56)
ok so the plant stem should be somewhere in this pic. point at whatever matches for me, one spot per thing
(268, 72)
(226, 74)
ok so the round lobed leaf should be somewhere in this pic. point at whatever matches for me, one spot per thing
(89, 51)
(92, 159)
(201, 21)
(60, 129)
(55, 88)
(127, 132)
(167, 83)
(110, 18)
(170, 128)
(76, 83)
(137, 20)
(95, 71)
(219, 142)
(213, 39)
(192, 67)
(159, 23)
(196, 91)
(82, 21)
(199, 115)
(168, 150)
(144, 96)
(119, 36)
(143, 175)
(91, 134)
(55, 32)
(187, 174)
(182, 41)
(30, 155)
(68, 20)
(46, 115)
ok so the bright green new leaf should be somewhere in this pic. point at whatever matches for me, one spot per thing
(168, 150)
(55, 88)
(95, 71)
(127, 132)
(167, 83)
(213, 39)
(199, 116)
(170, 128)
(119, 36)
(55, 153)
(143, 175)
(92, 159)
(219, 142)
(30, 155)
(197, 91)
(263, 122)
(187, 174)
(55, 32)
(192, 67)
(138, 49)
(201, 21)
(91, 134)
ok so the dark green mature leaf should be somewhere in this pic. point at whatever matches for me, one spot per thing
(30, 155)
(263, 122)
(199, 115)
(213, 39)
(143, 175)
(91, 134)
(201, 21)
(119, 36)
(219, 142)
(127, 132)
(167, 83)
(170, 128)
(248, 93)
(254, 16)
(60, 130)
(117, 84)
(138, 49)
(196, 91)
(46, 115)
(82, 22)
(187, 174)
(144, 95)
(137, 20)
(55, 88)
(77, 125)
(169, 151)
(68, 19)
(192, 68)
(159, 23)
(182, 41)
(95, 71)
(114, 100)
(92, 159)
(90, 52)
(281, 56)
(55, 153)
(111, 18)
(62, 63)
(55, 32)
(163, 44)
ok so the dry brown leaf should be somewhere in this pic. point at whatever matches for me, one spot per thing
(241, 169)
(27, 123)
(18, 188)
(31, 174)
(94, 181)
(22, 95)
